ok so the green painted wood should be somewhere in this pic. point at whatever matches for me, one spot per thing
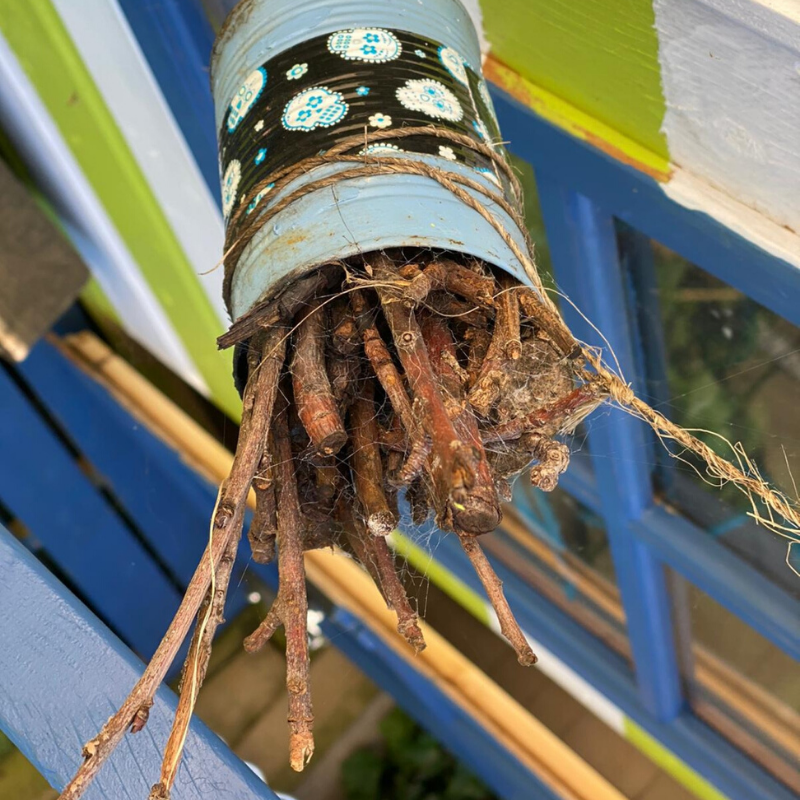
(599, 55)
(45, 51)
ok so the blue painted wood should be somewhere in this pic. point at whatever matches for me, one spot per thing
(773, 612)
(692, 741)
(62, 673)
(176, 39)
(436, 712)
(169, 502)
(641, 202)
(583, 250)
(43, 486)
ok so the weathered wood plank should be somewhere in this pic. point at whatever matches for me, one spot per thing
(732, 89)
(62, 673)
(40, 274)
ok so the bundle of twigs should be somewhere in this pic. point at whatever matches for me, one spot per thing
(423, 376)
(371, 383)
(393, 377)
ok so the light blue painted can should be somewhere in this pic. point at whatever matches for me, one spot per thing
(368, 213)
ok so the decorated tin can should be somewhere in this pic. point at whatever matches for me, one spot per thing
(393, 86)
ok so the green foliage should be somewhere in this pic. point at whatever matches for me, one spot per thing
(408, 764)
(712, 333)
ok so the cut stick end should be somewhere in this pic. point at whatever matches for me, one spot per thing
(410, 631)
(254, 643)
(263, 552)
(514, 350)
(301, 748)
(478, 513)
(381, 523)
(261, 635)
(331, 444)
(140, 719)
(158, 792)
(527, 658)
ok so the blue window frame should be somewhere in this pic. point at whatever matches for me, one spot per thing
(584, 197)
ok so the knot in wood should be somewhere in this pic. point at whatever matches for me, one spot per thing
(224, 515)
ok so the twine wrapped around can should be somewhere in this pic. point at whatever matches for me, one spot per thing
(338, 85)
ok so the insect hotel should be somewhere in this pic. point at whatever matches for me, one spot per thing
(398, 399)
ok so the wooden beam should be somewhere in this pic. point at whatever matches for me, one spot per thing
(40, 274)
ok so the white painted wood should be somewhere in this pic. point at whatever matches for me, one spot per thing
(57, 174)
(692, 192)
(731, 79)
(123, 77)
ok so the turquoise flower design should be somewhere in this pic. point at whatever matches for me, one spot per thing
(362, 91)
(297, 71)
(258, 198)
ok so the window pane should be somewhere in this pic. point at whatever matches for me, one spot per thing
(738, 681)
(732, 370)
(560, 548)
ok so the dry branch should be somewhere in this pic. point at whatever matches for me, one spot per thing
(375, 555)
(494, 590)
(366, 464)
(264, 526)
(481, 508)
(453, 471)
(316, 405)
(226, 524)
(290, 608)
(209, 618)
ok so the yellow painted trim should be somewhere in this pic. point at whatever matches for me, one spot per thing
(576, 122)
(425, 563)
(670, 763)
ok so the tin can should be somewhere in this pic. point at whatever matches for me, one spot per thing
(292, 78)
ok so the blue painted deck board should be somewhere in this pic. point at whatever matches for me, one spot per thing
(42, 485)
(62, 674)
(169, 502)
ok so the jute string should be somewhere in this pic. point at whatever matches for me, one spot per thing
(782, 515)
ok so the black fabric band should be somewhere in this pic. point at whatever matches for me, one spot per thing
(308, 98)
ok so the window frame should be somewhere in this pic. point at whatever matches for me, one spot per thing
(583, 193)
